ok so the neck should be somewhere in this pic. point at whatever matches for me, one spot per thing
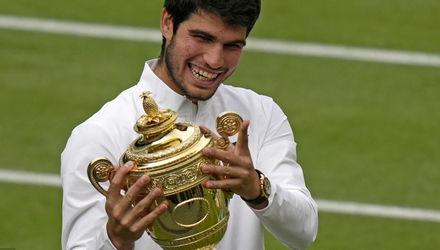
(162, 72)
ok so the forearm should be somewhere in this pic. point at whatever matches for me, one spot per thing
(85, 233)
(291, 217)
(84, 217)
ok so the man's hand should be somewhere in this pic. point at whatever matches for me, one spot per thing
(238, 173)
(126, 221)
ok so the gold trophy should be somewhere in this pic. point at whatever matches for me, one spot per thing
(170, 153)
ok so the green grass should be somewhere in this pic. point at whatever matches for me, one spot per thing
(366, 132)
(31, 217)
(363, 233)
(370, 127)
(52, 83)
(409, 25)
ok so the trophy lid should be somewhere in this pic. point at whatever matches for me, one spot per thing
(163, 142)
(168, 151)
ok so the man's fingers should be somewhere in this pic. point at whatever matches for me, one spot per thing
(149, 218)
(228, 158)
(135, 190)
(134, 215)
(223, 184)
(142, 209)
(114, 191)
(206, 130)
(223, 172)
(241, 148)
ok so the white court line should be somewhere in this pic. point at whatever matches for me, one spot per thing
(30, 178)
(340, 207)
(254, 44)
(343, 207)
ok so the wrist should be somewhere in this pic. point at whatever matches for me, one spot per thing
(265, 189)
(256, 190)
(259, 206)
(118, 242)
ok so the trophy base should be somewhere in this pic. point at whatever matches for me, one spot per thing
(205, 240)
(210, 247)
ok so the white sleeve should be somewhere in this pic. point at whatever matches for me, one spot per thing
(291, 215)
(84, 217)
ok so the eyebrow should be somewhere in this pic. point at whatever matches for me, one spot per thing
(212, 37)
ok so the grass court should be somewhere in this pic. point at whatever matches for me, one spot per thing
(367, 132)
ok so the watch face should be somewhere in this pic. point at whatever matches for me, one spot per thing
(267, 187)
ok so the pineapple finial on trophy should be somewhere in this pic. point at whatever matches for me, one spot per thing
(156, 122)
(152, 114)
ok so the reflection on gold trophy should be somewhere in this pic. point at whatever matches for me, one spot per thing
(170, 153)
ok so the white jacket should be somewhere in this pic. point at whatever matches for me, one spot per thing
(291, 215)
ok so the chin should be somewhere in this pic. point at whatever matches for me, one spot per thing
(200, 95)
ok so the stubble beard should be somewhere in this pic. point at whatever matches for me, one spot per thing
(171, 65)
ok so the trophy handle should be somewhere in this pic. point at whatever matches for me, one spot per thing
(227, 124)
(100, 170)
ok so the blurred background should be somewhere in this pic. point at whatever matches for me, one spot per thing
(359, 81)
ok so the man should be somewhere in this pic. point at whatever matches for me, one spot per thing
(202, 44)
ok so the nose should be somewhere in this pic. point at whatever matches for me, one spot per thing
(214, 56)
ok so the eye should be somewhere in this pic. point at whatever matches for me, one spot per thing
(234, 46)
(203, 38)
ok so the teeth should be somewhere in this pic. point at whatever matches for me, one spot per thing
(203, 75)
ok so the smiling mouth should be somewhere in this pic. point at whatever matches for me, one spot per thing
(203, 75)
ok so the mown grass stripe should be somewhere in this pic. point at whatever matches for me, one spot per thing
(329, 206)
(254, 44)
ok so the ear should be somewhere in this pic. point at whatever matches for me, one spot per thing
(166, 24)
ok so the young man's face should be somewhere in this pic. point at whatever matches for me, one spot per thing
(200, 55)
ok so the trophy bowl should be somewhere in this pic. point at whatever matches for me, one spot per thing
(170, 153)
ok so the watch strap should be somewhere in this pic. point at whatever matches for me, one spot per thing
(261, 198)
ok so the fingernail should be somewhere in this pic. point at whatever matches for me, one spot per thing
(162, 207)
(209, 185)
(128, 164)
(156, 192)
(145, 179)
(207, 151)
(206, 168)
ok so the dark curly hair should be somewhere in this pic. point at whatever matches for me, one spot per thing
(233, 12)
